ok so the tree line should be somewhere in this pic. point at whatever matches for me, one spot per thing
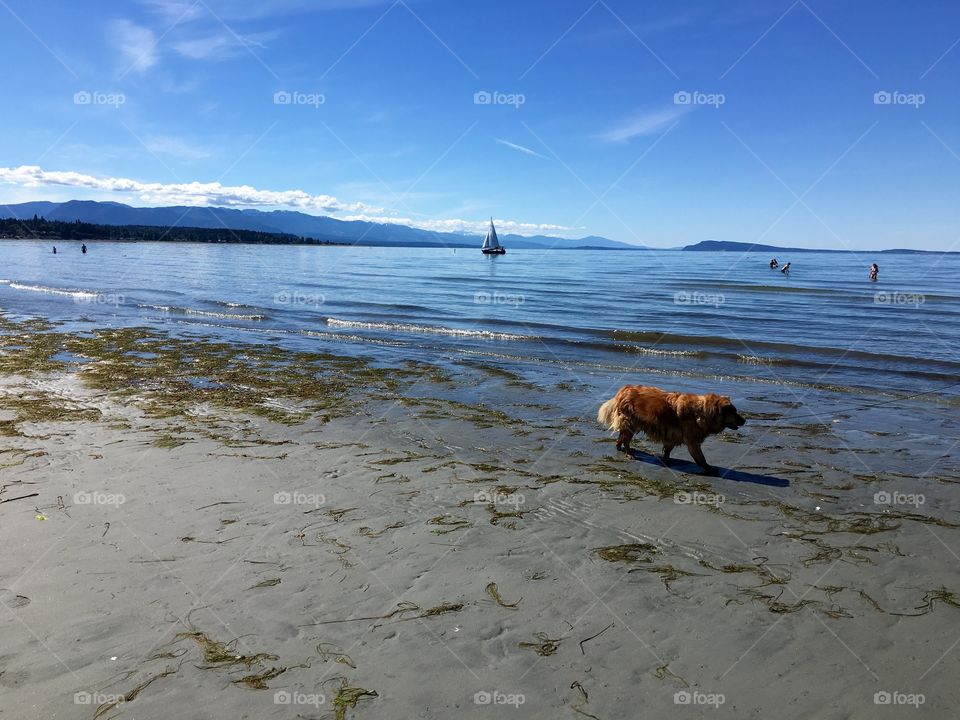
(39, 228)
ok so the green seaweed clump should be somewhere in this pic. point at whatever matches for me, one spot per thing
(347, 697)
(629, 553)
(545, 645)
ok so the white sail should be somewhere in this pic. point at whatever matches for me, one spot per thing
(490, 242)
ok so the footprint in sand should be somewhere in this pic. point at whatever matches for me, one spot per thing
(12, 600)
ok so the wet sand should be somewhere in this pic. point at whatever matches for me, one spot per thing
(405, 552)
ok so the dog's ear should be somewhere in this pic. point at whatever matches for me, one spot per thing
(713, 405)
(712, 410)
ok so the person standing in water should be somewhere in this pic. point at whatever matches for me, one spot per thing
(54, 249)
(785, 269)
(83, 248)
(773, 263)
(874, 271)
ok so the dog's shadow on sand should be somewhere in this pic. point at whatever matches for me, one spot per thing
(686, 466)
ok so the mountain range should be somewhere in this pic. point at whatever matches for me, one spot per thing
(350, 232)
(284, 221)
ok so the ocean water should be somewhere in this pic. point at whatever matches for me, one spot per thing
(685, 320)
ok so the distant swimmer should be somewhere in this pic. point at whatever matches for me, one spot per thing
(54, 249)
(874, 271)
(773, 262)
(785, 269)
(83, 248)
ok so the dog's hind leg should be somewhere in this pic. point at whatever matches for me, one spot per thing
(697, 454)
(623, 441)
(665, 457)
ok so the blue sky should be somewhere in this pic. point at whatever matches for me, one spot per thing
(777, 134)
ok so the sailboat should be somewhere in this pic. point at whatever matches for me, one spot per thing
(491, 245)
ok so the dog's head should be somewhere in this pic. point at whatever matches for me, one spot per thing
(720, 414)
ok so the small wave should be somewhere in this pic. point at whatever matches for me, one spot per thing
(53, 291)
(433, 330)
(202, 313)
(225, 303)
(341, 337)
(758, 360)
(660, 352)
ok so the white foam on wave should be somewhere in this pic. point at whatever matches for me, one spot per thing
(430, 329)
(757, 360)
(660, 352)
(53, 291)
(202, 313)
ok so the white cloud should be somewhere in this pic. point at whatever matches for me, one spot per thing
(519, 148)
(137, 45)
(645, 124)
(215, 194)
(192, 193)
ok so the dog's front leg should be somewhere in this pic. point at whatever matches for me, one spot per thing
(697, 454)
(623, 441)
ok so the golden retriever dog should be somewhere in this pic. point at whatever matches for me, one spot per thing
(670, 418)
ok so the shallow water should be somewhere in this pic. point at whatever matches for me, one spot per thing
(593, 316)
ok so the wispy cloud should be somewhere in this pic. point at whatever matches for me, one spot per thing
(175, 10)
(232, 10)
(192, 193)
(469, 226)
(645, 124)
(519, 148)
(137, 45)
(176, 147)
(220, 45)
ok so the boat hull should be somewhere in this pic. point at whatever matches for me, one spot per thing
(494, 251)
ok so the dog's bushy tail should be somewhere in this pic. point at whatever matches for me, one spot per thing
(608, 415)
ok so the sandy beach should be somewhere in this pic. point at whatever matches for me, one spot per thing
(368, 544)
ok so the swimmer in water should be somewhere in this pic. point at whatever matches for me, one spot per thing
(874, 271)
(785, 269)
(773, 262)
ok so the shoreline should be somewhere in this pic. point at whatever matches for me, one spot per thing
(368, 537)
